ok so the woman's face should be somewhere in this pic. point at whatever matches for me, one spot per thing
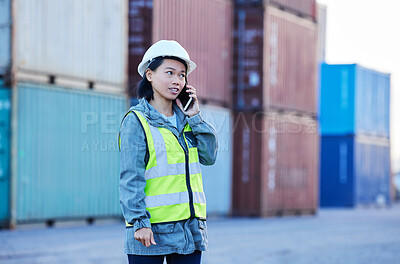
(168, 79)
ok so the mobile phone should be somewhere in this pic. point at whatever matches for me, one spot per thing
(185, 99)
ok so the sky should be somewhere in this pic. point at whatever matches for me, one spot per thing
(364, 32)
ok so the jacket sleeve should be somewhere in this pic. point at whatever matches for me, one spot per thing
(206, 137)
(132, 166)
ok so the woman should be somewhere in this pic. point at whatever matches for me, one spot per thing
(162, 146)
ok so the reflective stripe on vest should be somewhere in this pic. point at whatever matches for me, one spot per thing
(169, 189)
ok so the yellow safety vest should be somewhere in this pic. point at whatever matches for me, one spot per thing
(174, 184)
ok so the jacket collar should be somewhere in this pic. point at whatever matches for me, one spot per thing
(157, 119)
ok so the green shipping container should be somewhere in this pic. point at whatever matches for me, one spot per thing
(67, 154)
(5, 108)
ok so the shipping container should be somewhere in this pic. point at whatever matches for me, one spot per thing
(354, 100)
(275, 65)
(72, 41)
(355, 170)
(5, 12)
(276, 170)
(139, 40)
(290, 61)
(302, 8)
(248, 71)
(322, 16)
(5, 49)
(247, 149)
(203, 28)
(5, 36)
(67, 162)
(5, 108)
(289, 164)
(217, 178)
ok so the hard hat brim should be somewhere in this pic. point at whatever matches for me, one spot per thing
(143, 66)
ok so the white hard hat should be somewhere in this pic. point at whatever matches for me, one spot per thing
(164, 48)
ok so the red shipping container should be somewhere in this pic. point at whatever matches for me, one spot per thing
(248, 69)
(246, 180)
(275, 170)
(302, 8)
(287, 47)
(289, 164)
(203, 28)
(290, 62)
(140, 17)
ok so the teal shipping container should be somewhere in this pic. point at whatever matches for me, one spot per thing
(217, 178)
(67, 159)
(354, 100)
(5, 108)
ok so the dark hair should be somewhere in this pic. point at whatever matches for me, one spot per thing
(145, 89)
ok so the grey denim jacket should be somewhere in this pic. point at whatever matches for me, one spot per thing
(181, 237)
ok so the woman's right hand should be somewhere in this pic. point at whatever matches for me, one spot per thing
(145, 236)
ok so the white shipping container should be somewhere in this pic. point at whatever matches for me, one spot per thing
(217, 178)
(72, 39)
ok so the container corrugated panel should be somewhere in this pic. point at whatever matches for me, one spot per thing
(355, 170)
(140, 39)
(248, 68)
(289, 164)
(354, 100)
(5, 35)
(68, 159)
(5, 12)
(372, 170)
(204, 30)
(247, 148)
(5, 108)
(217, 178)
(275, 170)
(322, 16)
(83, 40)
(372, 99)
(303, 8)
(290, 62)
(5, 48)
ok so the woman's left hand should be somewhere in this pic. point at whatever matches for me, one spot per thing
(194, 108)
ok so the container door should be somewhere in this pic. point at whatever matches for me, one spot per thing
(336, 182)
(5, 106)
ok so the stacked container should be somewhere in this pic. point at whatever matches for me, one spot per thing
(68, 74)
(203, 28)
(5, 107)
(5, 36)
(355, 142)
(275, 130)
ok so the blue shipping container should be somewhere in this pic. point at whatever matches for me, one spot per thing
(5, 108)
(5, 35)
(355, 170)
(354, 100)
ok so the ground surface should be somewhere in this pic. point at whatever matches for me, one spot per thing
(350, 236)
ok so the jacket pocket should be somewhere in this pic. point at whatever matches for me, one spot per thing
(202, 224)
(163, 228)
